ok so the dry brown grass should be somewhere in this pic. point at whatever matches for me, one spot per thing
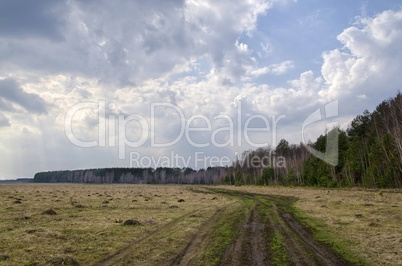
(88, 224)
(372, 220)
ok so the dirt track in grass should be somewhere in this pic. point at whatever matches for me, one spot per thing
(271, 236)
(265, 235)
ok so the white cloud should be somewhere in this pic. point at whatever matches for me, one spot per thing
(283, 67)
(370, 60)
(253, 71)
(259, 71)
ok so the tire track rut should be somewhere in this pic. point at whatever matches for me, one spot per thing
(186, 257)
(125, 251)
(250, 247)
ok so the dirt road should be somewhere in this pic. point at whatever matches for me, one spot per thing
(272, 237)
(264, 234)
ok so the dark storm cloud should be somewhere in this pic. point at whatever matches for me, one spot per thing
(11, 92)
(117, 42)
(19, 19)
(122, 42)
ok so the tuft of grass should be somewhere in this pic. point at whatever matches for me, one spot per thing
(49, 212)
(131, 222)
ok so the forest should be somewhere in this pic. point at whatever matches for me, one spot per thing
(369, 154)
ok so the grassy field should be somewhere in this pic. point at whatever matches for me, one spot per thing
(52, 223)
(88, 224)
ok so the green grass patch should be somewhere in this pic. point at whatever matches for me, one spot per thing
(320, 232)
(328, 237)
(276, 245)
(278, 250)
(224, 231)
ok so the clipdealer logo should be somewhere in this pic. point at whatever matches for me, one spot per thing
(112, 129)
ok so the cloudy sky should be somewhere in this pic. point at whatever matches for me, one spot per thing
(88, 84)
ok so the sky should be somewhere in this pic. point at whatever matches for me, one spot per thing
(93, 84)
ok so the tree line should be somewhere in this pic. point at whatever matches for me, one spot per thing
(160, 175)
